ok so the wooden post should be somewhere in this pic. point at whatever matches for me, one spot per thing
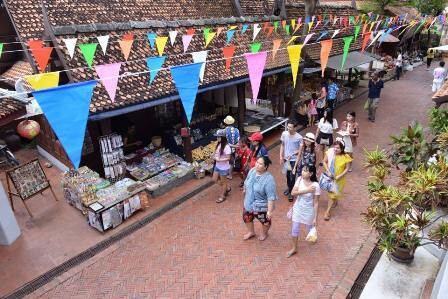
(241, 92)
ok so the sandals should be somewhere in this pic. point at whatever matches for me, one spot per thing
(327, 216)
(224, 197)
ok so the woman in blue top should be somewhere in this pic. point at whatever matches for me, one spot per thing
(259, 196)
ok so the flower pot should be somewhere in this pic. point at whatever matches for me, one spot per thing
(402, 255)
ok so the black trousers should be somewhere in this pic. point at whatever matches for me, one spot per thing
(290, 177)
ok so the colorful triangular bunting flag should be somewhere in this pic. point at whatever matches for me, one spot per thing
(108, 74)
(154, 65)
(200, 57)
(88, 51)
(103, 41)
(255, 66)
(43, 81)
(228, 53)
(70, 44)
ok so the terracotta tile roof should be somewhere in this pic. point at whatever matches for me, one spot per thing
(257, 8)
(401, 10)
(135, 89)
(296, 9)
(10, 109)
(18, 70)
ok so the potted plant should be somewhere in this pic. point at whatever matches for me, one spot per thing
(398, 211)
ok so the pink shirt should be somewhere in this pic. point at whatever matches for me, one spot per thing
(223, 165)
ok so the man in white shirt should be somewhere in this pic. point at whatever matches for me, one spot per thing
(439, 76)
(289, 149)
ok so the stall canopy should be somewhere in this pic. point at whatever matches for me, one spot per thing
(353, 59)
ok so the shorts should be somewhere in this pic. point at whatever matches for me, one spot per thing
(249, 217)
(324, 139)
(222, 172)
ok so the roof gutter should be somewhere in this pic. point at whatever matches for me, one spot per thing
(171, 98)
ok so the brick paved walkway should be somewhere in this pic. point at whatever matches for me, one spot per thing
(196, 250)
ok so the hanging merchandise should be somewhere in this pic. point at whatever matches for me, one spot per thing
(43, 81)
(347, 42)
(103, 41)
(154, 65)
(228, 53)
(88, 51)
(186, 80)
(325, 51)
(70, 44)
(72, 114)
(294, 53)
(108, 74)
(255, 66)
(112, 155)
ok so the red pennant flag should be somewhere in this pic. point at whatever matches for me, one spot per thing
(319, 17)
(265, 26)
(364, 28)
(128, 36)
(345, 20)
(228, 53)
(270, 30)
(190, 31)
(35, 44)
(365, 40)
(42, 56)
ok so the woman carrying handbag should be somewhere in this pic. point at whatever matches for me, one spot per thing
(304, 211)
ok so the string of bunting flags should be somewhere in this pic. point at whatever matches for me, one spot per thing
(186, 78)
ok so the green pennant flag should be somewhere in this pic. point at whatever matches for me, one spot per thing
(275, 26)
(1, 49)
(347, 42)
(206, 32)
(255, 47)
(351, 20)
(357, 28)
(88, 51)
(288, 29)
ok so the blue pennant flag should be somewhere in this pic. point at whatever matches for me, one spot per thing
(186, 79)
(326, 23)
(152, 39)
(66, 108)
(307, 19)
(154, 65)
(244, 28)
(383, 37)
(230, 34)
(321, 35)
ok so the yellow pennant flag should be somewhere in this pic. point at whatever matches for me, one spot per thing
(161, 43)
(371, 26)
(292, 39)
(43, 81)
(294, 58)
(310, 24)
(233, 27)
(293, 23)
(209, 38)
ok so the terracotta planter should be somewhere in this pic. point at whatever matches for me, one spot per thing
(403, 255)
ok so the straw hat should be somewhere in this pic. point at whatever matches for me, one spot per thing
(229, 120)
(310, 137)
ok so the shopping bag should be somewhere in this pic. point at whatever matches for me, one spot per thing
(312, 235)
(366, 105)
(326, 183)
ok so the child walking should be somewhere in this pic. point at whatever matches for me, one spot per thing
(312, 110)
(243, 153)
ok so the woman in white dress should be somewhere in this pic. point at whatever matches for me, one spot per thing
(304, 209)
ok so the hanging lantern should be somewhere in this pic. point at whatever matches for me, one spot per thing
(28, 129)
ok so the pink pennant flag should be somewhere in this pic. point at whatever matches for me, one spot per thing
(255, 68)
(307, 38)
(186, 40)
(108, 74)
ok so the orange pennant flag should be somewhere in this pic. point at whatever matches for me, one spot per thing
(219, 30)
(284, 24)
(42, 56)
(270, 30)
(128, 36)
(265, 26)
(276, 45)
(190, 31)
(126, 46)
(365, 40)
(228, 53)
(35, 44)
(325, 50)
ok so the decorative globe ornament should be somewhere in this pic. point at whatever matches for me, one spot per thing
(28, 129)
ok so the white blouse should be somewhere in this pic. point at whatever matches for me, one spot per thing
(327, 128)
